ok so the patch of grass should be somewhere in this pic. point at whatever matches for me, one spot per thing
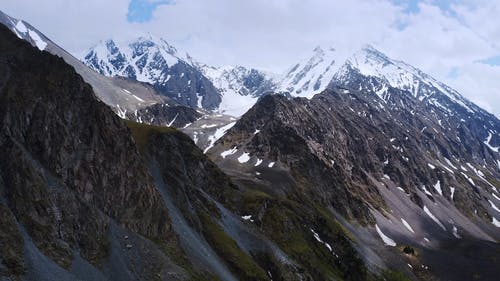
(178, 256)
(284, 223)
(392, 275)
(238, 261)
(143, 132)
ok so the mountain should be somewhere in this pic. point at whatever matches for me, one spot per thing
(77, 202)
(313, 74)
(240, 87)
(380, 173)
(383, 73)
(398, 171)
(86, 195)
(230, 90)
(153, 60)
(127, 97)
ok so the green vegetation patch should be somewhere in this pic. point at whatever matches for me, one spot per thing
(392, 275)
(143, 132)
(238, 261)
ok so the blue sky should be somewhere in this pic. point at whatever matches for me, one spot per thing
(493, 61)
(142, 10)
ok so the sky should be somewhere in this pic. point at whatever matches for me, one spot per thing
(455, 41)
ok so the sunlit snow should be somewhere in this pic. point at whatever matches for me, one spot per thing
(407, 225)
(228, 152)
(428, 212)
(244, 157)
(388, 241)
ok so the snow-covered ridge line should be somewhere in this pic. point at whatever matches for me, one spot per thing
(137, 58)
(24, 32)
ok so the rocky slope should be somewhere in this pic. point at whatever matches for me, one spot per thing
(211, 215)
(79, 202)
(74, 192)
(395, 170)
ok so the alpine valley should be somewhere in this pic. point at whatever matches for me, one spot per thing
(138, 162)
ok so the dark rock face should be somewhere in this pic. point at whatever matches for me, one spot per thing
(321, 138)
(345, 150)
(165, 115)
(69, 166)
(289, 133)
(187, 85)
(211, 206)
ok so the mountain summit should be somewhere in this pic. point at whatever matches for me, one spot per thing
(152, 60)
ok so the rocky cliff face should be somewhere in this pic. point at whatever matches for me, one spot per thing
(419, 177)
(70, 177)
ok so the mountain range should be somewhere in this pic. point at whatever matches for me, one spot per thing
(347, 167)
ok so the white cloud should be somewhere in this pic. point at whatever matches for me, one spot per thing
(273, 34)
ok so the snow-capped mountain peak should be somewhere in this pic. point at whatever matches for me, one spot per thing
(25, 31)
(240, 87)
(313, 74)
(140, 58)
(370, 62)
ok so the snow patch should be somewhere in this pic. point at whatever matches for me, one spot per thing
(452, 192)
(407, 225)
(388, 241)
(428, 212)
(495, 222)
(138, 98)
(495, 196)
(494, 206)
(449, 163)
(455, 232)
(21, 27)
(487, 142)
(431, 166)
(271, 164)
(437, 187)
(247, 218)
(199, 100)
(217, 135)
(206, 126)
(426, 191)
(228, 152)
(316, 236)
(259, 161)
(244, 157)
(173, 120)
(40, 44)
